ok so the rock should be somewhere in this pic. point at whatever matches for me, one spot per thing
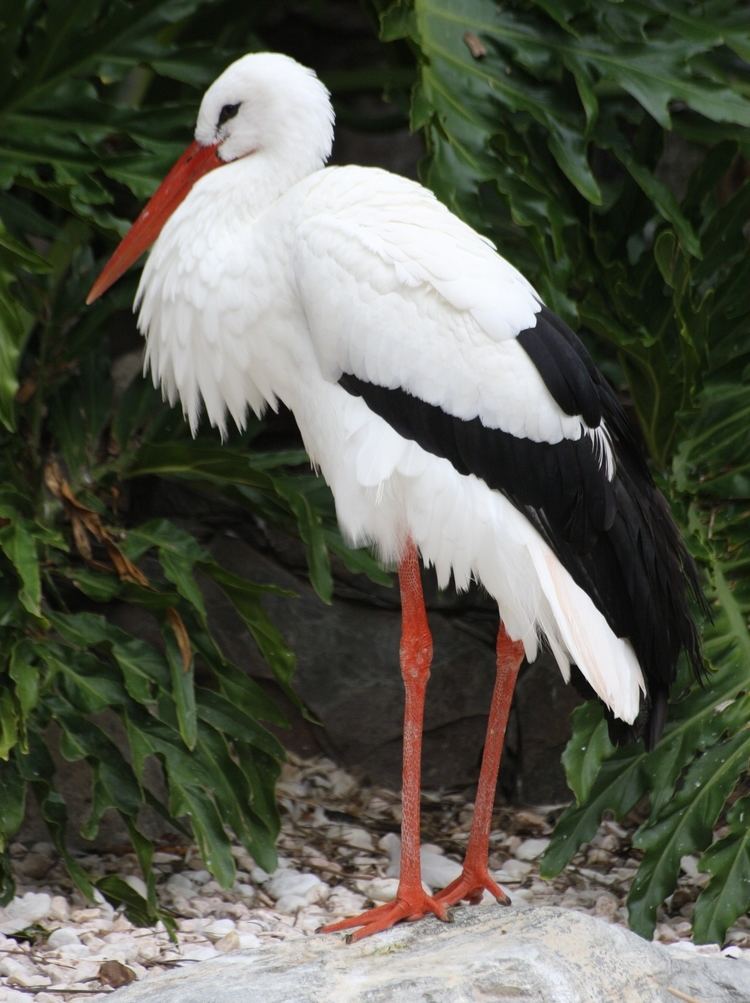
(13, 996)
(543, 955)
(64, 936)
(115, 974)
(543, 704)
(35, 865)
(437, 869)
(59, 909)
(230, 942)
(180, 883)
(23, 911)
(513, 870)
(530, 849)
(19, 972)
(287, 884)
(379, 889)
(200, 876)
(219, 928)
(198, 952)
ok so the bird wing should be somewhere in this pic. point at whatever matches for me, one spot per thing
(400, 293)
(412, 310)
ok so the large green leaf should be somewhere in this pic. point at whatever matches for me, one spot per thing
(727, 894)
(685, 826)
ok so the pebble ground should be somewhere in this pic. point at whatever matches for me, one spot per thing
(338, 853)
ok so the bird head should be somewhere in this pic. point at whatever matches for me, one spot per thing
(264, 104)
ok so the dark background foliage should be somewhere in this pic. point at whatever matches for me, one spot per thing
(603, 146)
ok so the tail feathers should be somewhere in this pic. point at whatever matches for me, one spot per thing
(606, 661)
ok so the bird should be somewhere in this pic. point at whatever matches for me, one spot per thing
(458, 421)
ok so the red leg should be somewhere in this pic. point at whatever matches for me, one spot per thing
(475, 877)
(411, 900)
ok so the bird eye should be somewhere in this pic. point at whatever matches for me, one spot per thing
(228, 111)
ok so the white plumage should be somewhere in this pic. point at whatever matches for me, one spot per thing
(276, 275)
(446, 406)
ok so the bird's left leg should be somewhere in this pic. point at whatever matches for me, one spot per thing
(411, 900)
(475, 877)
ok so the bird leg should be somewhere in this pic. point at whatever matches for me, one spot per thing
(475, 877)
(411, 900)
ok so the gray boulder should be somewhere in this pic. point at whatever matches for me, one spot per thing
(542, 955)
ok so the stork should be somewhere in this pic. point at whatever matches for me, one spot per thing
(453, 415)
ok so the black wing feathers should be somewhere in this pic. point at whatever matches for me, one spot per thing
(563, 481)
(616, 538)
(564, 365)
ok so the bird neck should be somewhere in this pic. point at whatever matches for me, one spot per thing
(252, 183)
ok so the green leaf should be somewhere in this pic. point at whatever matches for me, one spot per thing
(19, 546)
(24, 672)
(18, 255)
(8, 724)
(727, 895)
(13, 800)
(311, 530)
(14, 328)
(90, 684)
(98, 585)
(587, 749)
(119, 893)
(619, 785)
(663, 200)
(38, 771)
(684, 828)
(209, 831)
(235, 722)
(183, 690)
(245, 598)
(178, 554)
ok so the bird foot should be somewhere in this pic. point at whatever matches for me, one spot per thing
(471, 885)
(406, 905)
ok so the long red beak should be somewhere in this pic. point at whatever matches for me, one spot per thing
(196, 161)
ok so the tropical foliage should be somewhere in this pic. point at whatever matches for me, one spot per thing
(96, 99)
(604, 147)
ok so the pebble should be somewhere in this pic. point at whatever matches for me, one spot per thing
(514, 870)
(379, 889)
(23, 911)
(606, 906)
(219, 928)
(327, 870)
(288, 885)
(14, 996)
(180, 883)
(59, 909)
(530, 849)
(63, 936)
(36, 865)
(198, 952)
(18, 971)
(230, 942)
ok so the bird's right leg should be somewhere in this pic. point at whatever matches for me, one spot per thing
(411, 900)
(475, 877)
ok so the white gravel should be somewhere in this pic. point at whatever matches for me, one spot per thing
(338, 852)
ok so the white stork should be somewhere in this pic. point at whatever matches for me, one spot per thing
(453, 415)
